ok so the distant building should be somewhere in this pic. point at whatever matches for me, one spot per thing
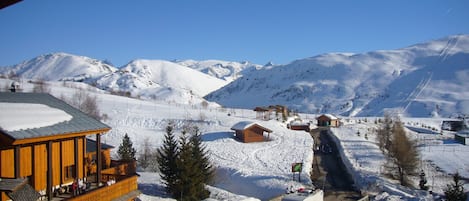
(247, 131)
(452, 125)
(328, 120)
(462, 137)
(299, 126)
(271, 112)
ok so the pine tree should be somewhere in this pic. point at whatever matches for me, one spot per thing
(166, 157)
(455, 192)
(126, 150)
(190, 186)
(200, 154)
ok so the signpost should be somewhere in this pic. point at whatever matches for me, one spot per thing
(297, 167)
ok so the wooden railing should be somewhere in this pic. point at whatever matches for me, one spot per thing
(121, 168)
(108, 193)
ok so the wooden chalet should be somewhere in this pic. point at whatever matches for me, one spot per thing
(247, 131)
(300, 126)
(328, 120)
(45, 145)
(270, 112)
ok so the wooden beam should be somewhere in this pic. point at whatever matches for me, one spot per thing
(58, 136)
(17, 160)
(99, 159)
(6, 3)
(49, 170)
(75, 152)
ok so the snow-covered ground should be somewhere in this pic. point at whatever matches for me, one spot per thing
(440, 157)
(259, 170)
(263, 170)
(244, 171)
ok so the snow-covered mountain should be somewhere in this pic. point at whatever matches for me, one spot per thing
(162, 80)
(59, 66)
(226, 70)
(421, 80)
(153, 79)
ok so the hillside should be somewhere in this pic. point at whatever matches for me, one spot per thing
(162, 80)
(427, 79)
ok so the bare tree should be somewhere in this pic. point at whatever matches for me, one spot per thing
(85, 102)
(40, 86)
(401, 152)
(145, 155)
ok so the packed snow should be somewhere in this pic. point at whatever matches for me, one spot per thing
(22, 116)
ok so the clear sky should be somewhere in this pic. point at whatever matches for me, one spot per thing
(236, 30)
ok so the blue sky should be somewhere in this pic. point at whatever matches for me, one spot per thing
(254, 30)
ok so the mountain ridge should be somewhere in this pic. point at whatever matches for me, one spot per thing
(425, 79)
(363, 84)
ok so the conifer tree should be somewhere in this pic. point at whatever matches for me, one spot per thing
(126, 150)
(200, 154)
(190, 185)
(166, 157)
(455, 192)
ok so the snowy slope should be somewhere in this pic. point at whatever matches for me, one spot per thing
(226, 70)
(421, 80)
(262, 170)
(59, 66)
(162, 80)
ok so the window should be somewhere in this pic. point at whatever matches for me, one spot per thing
(69, 172)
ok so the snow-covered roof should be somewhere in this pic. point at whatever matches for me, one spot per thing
(22, 116)
(33, 115)
(246, 124)
(330, 116)
(242, 125)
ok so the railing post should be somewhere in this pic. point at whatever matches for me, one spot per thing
(98, 159)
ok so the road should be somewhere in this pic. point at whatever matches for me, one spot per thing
(329, 172)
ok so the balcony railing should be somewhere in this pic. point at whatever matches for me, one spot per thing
(125, 189)
(117, 181)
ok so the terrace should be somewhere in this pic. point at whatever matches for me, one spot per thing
(118, 182)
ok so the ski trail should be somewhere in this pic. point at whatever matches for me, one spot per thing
(418, 90)
(254, 160)
(447, 49)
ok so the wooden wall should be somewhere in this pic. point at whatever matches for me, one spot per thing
(63, 155)
(254, 134)
(7, 163)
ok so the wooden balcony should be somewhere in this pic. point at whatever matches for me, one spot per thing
(125, 189)
(119, 182)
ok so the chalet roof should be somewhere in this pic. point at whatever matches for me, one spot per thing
(18, 189)
(80, 122)
(330, 116)
(10, 184)
(242, 125)
(91, 146)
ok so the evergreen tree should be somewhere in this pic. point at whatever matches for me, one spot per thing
(166, 157)
(126, 150)
(190, 186)
(200, 155)
(455, 192)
